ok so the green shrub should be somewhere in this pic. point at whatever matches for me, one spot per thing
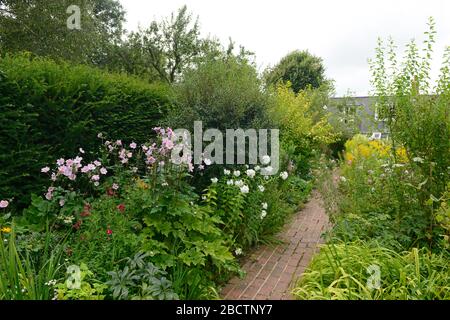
(380, 198)
(303, 130)
(49, 110)
(224, 93)
(416, 112)
(140, 280)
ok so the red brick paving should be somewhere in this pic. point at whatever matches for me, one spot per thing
(272, 270)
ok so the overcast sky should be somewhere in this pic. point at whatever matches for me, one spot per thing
(342, 32)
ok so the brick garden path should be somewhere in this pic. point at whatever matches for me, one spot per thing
(273, 270)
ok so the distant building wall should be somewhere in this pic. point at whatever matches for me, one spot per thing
(365, 108)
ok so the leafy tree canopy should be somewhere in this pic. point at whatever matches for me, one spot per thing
(40, 27)
(300, 68)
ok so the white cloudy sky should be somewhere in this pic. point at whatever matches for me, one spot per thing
(342, 32)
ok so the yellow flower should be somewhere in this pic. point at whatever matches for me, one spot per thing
(141, 184)
(364, 151)
(5, 230)
(349, 156)
(402, 156)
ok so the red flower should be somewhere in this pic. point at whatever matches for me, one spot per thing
(85, 214)
(69, 251)
(86, 210)
(77, 225)
(121, 207)
(110, 192)
(108, 232)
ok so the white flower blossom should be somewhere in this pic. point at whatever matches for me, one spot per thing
(261, 188)
(418, 159)
(236, 173)
(68, 219)
(238, 251)
(226, 172)
(230, 182)
(263, 214)
(245, 189)
(250, 173)
(207, 161)
(264, 205)
(267, 170)
(265, 160)
(284, 175)
(214, 180)
(239, 183)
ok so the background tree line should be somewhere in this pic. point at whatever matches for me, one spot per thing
(163, 51)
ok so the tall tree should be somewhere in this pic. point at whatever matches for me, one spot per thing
(170, 45)
(301, 68)
(41, 27)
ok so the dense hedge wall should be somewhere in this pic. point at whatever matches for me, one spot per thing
(49, 110)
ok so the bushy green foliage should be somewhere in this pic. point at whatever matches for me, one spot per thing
(222, 92)
(442, 215)
(49, 110)
(416, 111)
(304, 129)
(343, 271)
(379, 197)
(140, 280)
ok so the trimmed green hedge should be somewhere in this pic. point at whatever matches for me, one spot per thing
(49, 110)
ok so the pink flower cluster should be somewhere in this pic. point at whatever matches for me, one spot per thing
(4, 204)
(70, 168)
(167, 138)
(123, 153)
(49, 194)
(148, 151)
